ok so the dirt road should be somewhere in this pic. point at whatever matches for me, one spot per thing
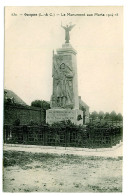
(39, 172)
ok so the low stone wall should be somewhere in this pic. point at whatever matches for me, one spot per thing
(25, 114)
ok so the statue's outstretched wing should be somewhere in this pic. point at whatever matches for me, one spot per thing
(71, 26)
(63, 26)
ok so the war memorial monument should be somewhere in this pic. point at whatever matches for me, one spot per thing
(64, 99)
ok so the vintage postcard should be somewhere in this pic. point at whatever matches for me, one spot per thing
(63, 99)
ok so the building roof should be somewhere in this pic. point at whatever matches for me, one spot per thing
(10, 94)
(82, 103)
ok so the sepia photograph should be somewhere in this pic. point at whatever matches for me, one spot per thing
(63, 99)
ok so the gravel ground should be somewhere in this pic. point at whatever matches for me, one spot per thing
(45, 172)
(115, 151)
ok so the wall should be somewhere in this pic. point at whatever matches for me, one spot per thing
(87, 115)
(24, 113)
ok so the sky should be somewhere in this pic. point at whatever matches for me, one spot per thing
(98, 40)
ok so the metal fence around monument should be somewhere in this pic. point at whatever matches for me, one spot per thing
(91, 137)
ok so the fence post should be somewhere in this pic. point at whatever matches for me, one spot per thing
(55, 138)
(111, 142)
(65, 138)
(24, 131)
(4, 133)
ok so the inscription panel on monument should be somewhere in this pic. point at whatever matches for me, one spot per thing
(60, 115)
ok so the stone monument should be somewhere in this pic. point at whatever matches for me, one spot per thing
(64, 99)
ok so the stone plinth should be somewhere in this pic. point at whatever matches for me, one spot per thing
(57, 115)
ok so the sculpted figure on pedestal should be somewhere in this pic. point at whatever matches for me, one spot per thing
(67, 29)
(63, 82)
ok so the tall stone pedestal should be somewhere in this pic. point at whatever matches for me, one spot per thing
(64, 99)
(65, 86)
(57, 115)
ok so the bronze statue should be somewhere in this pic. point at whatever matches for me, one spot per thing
(67, 29)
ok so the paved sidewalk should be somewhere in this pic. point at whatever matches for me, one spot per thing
(115, 151)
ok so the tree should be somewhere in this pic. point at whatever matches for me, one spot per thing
(41, 104)
(101, 115)
(94, 115)
(107, 116)
(113, 115)
(119, 117)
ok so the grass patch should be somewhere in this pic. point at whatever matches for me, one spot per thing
(11, 158)
(104, 189)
